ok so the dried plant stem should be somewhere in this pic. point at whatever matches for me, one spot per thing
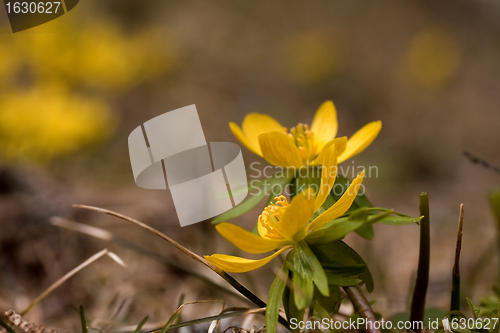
(108, 236)
(228, 313)
(455, 287)
(179, 309)
(362, 306)
(7, 327)
(66, 277)
(239, 287)
(474, 159)
(422, 281)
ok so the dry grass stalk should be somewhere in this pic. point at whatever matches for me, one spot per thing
(67, 276)
(156, 232)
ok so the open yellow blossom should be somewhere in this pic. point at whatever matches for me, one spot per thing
(282, 225)
(302, 145)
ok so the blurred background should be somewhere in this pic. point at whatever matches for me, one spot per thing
(73, 89)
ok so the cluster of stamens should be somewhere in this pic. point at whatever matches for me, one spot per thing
(271, 217)
(304, 140)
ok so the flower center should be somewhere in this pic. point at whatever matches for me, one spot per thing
(271, 218)
(304, 140)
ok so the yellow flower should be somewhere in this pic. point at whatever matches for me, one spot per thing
(302, 145)
(47, 122)
(283, 225)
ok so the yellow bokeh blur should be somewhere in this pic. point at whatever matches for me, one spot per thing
(45, 122)
(57, 84)
(97, 54)
(312, 57)
(433, 58)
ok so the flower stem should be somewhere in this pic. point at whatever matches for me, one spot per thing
(362, 307)
(422, 281)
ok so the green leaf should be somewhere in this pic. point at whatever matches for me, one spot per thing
(293, 311)
(345, 270)
(399, 220)
(337, 279)
(360, 202)
(307, 272)
(275, 299)
(329, 303)
(366, 231)
(343, 275)
(432, 314)
(267, 186)
(141, 324)
(338, 251)
(334, 230)
(496, 328)
(303, 290)
(475, 309)
(339, 228)
(455, 313)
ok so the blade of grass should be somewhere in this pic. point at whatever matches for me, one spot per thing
(235, 284)
(141, 324)
(422, 281)
(179, 303)
(179, 310)
(455, 288)
(66, 277)
(108, 236)
(211, 318)
(82, 318)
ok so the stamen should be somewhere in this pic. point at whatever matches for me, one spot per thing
(304, 140)
(271, 218)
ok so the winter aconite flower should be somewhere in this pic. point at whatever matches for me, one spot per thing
(301, 145)
(284, 225)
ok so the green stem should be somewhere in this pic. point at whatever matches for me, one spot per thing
(362, 307)
(495, 205)
(455, 282)
(422, 281)
(83, 319)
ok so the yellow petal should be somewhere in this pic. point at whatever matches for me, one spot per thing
(328, 175)
(238, 133)
(248, 241)
(324, 125)
(360, 140)
(279, 149)
(255, 124)
(240, 265)
(341, 206)
(297, 215)
(340, 145)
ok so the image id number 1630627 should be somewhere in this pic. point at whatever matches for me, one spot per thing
(32, 7)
